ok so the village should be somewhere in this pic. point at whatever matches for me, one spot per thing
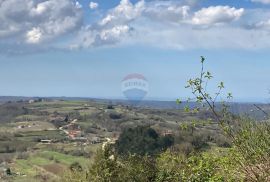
(54, 133)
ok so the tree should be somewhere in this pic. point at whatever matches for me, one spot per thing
(8, 171)
(75, 166)
(250, 139)
(142, 140)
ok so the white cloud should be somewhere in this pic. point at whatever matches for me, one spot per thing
(88, 37)
(170, 11)
(93, 5)
(173, 25)
(168, 24)
(112, 28)
(261, 1)
(78, 5)
(261, 25)
(31, 21)
(114, 33)
(167, 12)
(217, 15)
(116, 26)
(123, 13)
(34, 35)
(40, 9)
(264, 24)
(181, 37)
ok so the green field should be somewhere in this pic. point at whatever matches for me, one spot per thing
(31, 160)
(53, 163)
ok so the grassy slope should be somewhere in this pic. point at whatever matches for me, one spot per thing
(41, 162)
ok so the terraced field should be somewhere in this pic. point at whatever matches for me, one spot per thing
(37, 143)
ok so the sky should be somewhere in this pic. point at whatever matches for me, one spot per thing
(84, 48)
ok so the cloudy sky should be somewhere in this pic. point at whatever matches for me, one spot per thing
(85, 48)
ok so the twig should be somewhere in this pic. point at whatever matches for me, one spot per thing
(259, 108)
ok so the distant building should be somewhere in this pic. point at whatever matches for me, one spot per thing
(168, 133)
(95, 140)
(31, 101)
(21, 126)
(46, 141)
(74, 133)
(81, 139)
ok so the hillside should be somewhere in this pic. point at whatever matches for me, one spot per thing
(44, 135)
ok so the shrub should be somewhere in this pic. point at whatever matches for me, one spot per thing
(77, 153)
(110, 107)
(75, 167)
(252, 144)
(199, 141)
(8, 171)
(115, 116)
(137, 168)
(223, 141)
(206, 166)
(251, 140)
(185, 148)
(142, 140)
(105, 167)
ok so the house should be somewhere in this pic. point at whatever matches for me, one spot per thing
(31, 101)
(46, 141)
(168, 133)
(74, 133)
(80, 139)
(95, 140)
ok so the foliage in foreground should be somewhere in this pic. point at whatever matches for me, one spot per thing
(247, 160)
(251, 140)
(168, 166)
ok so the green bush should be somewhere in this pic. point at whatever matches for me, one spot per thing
(75, 166)
(142, 140)
(105, 168)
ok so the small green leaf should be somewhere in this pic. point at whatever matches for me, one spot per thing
(178, 101)
(186, 109)
(221, 85)
(229, 96)
(202, 59)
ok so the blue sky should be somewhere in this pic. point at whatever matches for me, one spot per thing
(72, 48)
